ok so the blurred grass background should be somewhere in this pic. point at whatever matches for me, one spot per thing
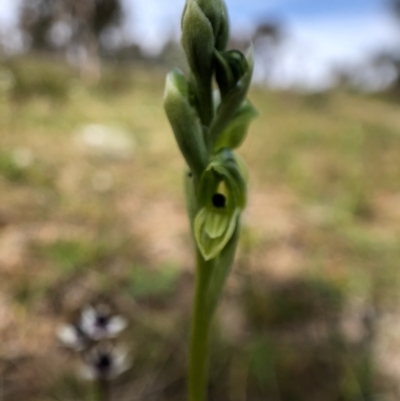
(92, 204)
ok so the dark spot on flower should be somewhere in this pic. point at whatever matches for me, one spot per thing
(104, 363)
(190, 174)
(219, 201)
(102, 321)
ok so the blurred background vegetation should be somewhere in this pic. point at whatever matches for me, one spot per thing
(92, 206)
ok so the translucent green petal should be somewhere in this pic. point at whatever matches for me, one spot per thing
(211, 247)
(216, 223)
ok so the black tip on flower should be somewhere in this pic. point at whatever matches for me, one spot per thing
(102, 321)
(103, 364)
(219, 201)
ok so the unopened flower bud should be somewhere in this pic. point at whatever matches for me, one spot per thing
(222, 35)
(185, 122)
(217, 14)
(234, 77)
(198, 41)
(230, 67)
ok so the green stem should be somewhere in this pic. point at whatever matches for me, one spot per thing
(222, 270)
(199, 343)
(103, 390)
(205, 104)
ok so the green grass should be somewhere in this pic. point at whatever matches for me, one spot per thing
(144, 283)
(72, 256)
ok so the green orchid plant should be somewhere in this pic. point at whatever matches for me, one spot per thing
(208, 126)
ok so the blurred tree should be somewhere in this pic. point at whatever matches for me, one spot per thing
(392, 59)
(267, 39)
(270, 30)
(384, 65)
(73, 26)
(388, 64)
(396, 7)
(36, 19)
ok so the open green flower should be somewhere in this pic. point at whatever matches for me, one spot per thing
(222, 195)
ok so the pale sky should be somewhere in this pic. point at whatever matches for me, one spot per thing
(321, 33)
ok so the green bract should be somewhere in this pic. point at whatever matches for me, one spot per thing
(222, 196)
(235, 133)
(185, 122)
